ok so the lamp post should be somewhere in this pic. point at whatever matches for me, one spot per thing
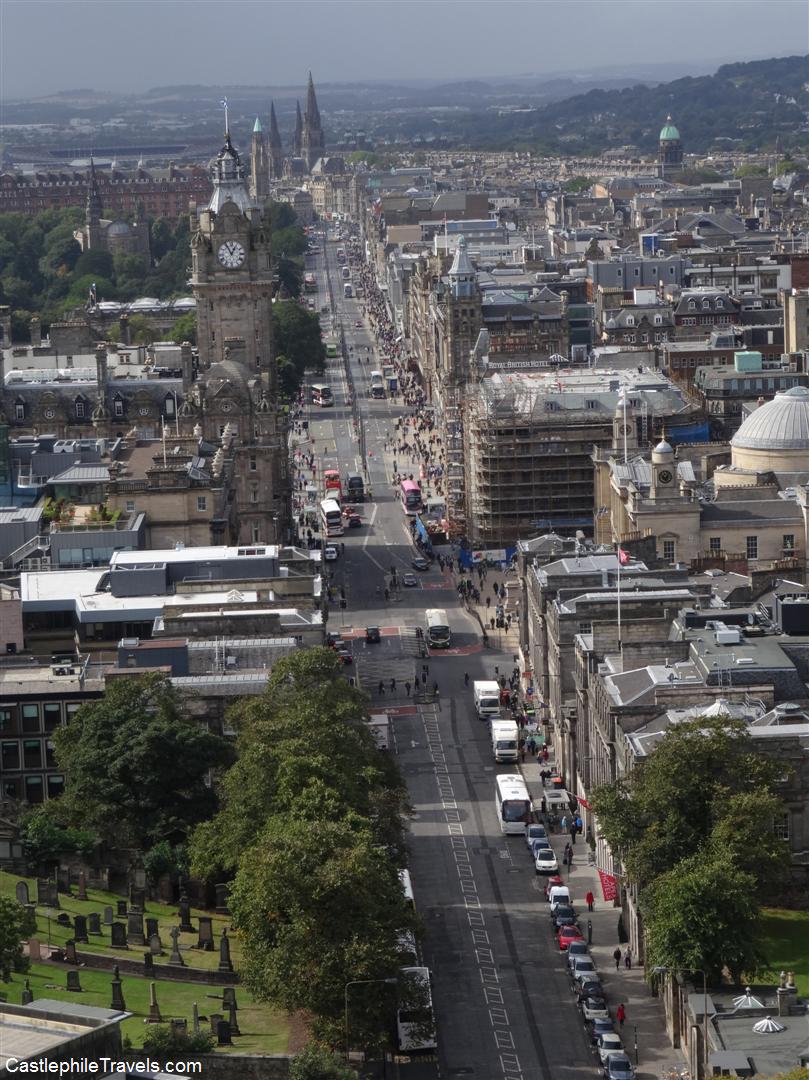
(662, 970)
(360, 982)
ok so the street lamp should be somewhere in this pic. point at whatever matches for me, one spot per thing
(360, 982)
(662, 970)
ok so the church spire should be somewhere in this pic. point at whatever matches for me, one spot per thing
(314, 142)
(312, 111)
(276, 149)
(92, 209)
(297, 140)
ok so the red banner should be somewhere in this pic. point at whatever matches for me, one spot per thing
(609, 885)
(583, 802)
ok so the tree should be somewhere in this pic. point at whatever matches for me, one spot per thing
(185, 329)
(137, 765)
(167, 1044)
(297, 337)
(750, 170)
(667, 808)
(317, 1062)
(577, 185)
(290, 275)
(94, 263)
(141, 330)
(45, 839)
(744, 831)
(703, 914)
(16, 925)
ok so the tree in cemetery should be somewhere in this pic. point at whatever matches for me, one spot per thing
(317, 1062)
(16, 924)
(137, 765)
(686, 794)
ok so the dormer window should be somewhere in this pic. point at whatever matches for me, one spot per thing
(80, 408)
(706, 304)
(118, 407)
(658, 320)
(19, 410)
(630, 320)
(168, 405)
(692, 305)
(720, 304)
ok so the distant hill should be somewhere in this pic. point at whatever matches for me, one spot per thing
(751, 102)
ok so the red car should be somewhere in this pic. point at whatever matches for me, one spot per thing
(568, 934)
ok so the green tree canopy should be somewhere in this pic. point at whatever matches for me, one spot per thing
(137, 765)
(15, 925)
(185, 329)
(577, 185)
(317, 1062)
(297, 338)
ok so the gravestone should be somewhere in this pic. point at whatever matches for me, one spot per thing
(82, 893)
(94, 923)
(175, 957)
(73, 982)
(134, 928)
(80, 929)
(234, 1024)
(148, 964)
(225, 963)
(154, 1016)
(223, 1033)
(63, 918)
(53, 895)
(152, 927)
(205, 940)
(121, 908)
(70, 952)
(156, 945)
(214, 1019)
(34, 950)
(222, 893)
(179, 1026)
(185, 915)
(63, 880)
(108, 916)
(43, 891)
(228, 997)
(195, 1018)
(118, 936)
(27, 994)
(137, 899)
(21, 892)
(117, 1002)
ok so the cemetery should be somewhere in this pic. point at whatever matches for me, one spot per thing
(161, 962)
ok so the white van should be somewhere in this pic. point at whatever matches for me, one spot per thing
(558, 894)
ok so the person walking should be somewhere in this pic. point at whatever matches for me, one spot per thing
(563, 823)
(617, 957)
(407, 688)
(628, 958)
(435, 689)
(589, 899)
(381, 688)
(466, 678)
(620, 1014)
(392, 685)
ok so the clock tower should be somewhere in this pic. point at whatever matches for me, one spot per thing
(235, 399)
(664, 472)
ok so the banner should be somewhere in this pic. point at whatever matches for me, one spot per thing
(583, 802)
(609, 885)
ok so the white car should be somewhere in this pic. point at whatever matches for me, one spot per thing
(579, 965)
(330, 553)
(545, 861)
(534, 832)
(593, 1007)
(608, 1044)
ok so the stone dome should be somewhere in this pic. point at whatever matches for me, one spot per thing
(663, 453)
(780, 424)
(669, 133)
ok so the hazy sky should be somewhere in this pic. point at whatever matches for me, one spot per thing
(49, 45)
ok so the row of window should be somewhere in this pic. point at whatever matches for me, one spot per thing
(630, 338)
(18, 754)
(715, 546)
(82, 409)
(33, 717)
(32, 789)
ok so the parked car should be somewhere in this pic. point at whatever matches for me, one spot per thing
(553, 882)
(599, 1026)
(329, 552)
(540, 843)
(545, 860)
(372, 635)
(576, 950)
(588, 986)
(409, 580)
(563, 915)
(581, 964)
(345, 656)
(609, 1044)
(559, 894)
(354, 521)
(419, 564)
(593, 1007)
(568, 934)
(337, 643)
(619, 1067)
(358, 324)
(534, 831)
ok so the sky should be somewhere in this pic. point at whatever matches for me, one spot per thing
(131, 45)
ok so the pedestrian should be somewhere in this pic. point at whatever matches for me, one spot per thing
(381, 688)
(522, 755)
(544, 806)
(466, 678)
(407, 688)
(620, 1014)
(616, 955)
(532, 746)
(392, 685)
(589, 899)
(567, 850)
(492, 623)
(564, 823)
(573, 831)
(628, 958)
(435, 689)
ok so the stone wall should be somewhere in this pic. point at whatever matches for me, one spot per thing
(236, 1066)
(132, 964)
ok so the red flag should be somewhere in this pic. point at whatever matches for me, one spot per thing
(623, 556)
(609, 885)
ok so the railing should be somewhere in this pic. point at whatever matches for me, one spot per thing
(35, 543)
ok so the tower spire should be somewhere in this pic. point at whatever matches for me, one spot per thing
(92, 209)
(314, 142)
(312, 111)
(297, 140)
(276, 149)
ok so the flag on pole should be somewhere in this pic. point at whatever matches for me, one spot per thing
(623, 556)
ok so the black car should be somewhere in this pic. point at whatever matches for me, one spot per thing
(600, 1026)
(372, 635)
(419, 564)
(345, 656)
(592, 988)
(563, 912)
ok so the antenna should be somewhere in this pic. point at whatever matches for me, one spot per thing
(224, 104)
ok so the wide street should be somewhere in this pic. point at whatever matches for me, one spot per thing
(502, 997)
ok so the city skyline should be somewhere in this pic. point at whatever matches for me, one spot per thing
(353, 38)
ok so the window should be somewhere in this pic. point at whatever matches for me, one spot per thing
(720, 305)
(202, 502)
(669, 550)
(706, 304)
(788, 543)
(30, 718)
(253, 494)
(5, 720)
(19, 411)
(780, 826)
(658, 320)
(56, 786)
(715, 545)
(118, 407)
(33, 789)
(10, 755)
(130, 506)
(692, 305)
(50, 754)
(255, 533)
(689, 322)
(752, 547)
(630, 338)
(644, 337)
(630, 320)
(80, 409)
(32, 753)
(52, 711)
(253, 463)
(169, 405)
(592, 404)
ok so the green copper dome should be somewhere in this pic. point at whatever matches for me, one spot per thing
(669, 132)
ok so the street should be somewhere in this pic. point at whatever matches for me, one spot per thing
(502, 996)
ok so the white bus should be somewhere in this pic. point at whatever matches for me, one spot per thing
(438, 632)
(407, 889)
(322, 395)
(512, 803)
(331, 517)
(415, 1020)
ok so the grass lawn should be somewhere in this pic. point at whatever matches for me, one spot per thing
(264, 1031)
(48, 930)
(785, 944)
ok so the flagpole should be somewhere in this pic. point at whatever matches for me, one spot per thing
(625, 453)
(620, 642)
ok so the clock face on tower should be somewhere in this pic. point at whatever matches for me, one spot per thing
(231, 254)
(664, 476)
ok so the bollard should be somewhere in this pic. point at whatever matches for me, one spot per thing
(589, 931)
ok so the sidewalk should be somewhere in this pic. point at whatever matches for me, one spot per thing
(644, 1023)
